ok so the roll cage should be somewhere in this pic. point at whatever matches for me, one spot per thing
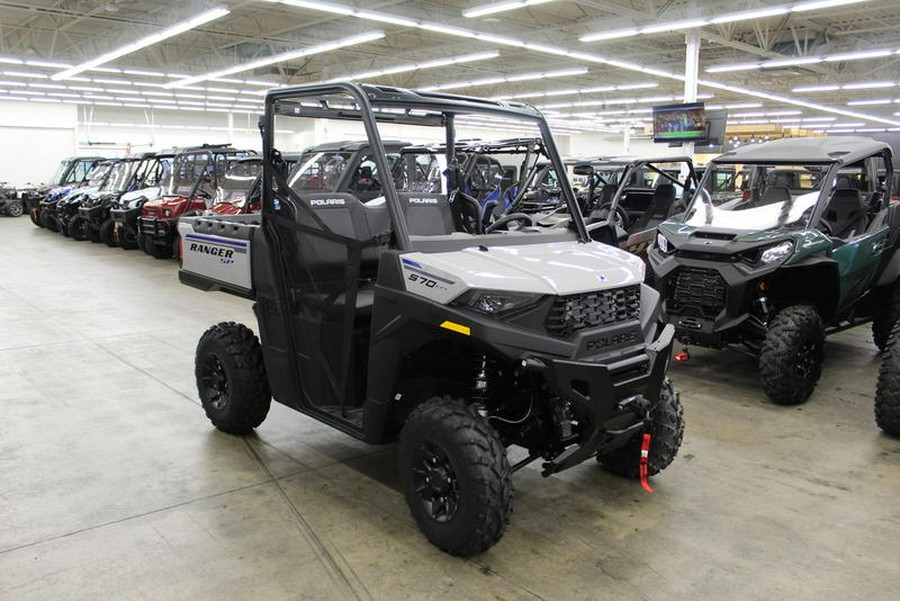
(370, 105)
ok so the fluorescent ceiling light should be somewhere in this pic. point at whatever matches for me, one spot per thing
(441, 62)
(737, 67)
(817, 4)
(825, 88)
(499, 7)
(610, 35)
(508, 78)
(675, 25)
(279, 58)
(206, 17)
(143, 72)
(322, 6)
(863, 85)
(790, 62)
(872, 102)
(47, 64)
(28, 74)
(852, 56)
(385, 18)
(868, 85)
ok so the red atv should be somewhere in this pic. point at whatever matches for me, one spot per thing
(195, 177)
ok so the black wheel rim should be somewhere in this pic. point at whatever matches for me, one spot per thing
(214, 381)
(806, 360)
(435, 483)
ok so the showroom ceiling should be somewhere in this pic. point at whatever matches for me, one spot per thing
(804, 62)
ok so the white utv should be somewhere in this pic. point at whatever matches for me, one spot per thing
(400, 319)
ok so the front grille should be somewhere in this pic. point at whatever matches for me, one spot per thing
(696, 291)
(604, 307)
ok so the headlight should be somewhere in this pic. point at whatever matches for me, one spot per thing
(167, 212)
(778, 252)
(662, 243)
(495, 302)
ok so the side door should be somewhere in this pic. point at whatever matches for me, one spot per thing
(859, 258)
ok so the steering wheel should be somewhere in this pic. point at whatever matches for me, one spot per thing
(519, 217)
(620, 217)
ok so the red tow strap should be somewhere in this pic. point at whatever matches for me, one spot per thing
(645, 460)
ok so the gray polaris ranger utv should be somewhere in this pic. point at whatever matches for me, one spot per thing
(398, 319)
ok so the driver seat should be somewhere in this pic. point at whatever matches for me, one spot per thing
(846, 213)
(657, 210)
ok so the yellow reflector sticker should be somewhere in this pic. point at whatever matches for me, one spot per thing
(458, 328)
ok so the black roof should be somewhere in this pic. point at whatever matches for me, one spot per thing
(830, 149)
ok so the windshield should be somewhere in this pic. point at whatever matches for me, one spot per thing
(757, 197)
(236, 182)
(61, 169)
(319, 171)
(158, 172)
(97, 175)
(187, 170)
(119, 176)
(420, 170)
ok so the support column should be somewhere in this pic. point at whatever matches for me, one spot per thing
(626, 140)
(691, 74)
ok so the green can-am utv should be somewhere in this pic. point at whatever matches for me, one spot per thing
(805, 246)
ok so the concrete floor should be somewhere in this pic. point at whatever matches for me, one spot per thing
(114, 485)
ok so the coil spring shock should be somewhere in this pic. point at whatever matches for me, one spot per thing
(485, 368)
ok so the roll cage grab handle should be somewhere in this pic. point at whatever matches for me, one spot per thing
(366, 115)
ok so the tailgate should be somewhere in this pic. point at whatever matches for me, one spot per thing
(216, 252)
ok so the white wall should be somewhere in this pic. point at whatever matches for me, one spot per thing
(34, 137)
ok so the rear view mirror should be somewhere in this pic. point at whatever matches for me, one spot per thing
(583, 170)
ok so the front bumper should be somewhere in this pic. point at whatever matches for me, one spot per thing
(160, 230)
(614, 397)
(126, 217)
(715, 328)
(95, 215)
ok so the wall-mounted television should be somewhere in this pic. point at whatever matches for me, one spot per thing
(680, 123)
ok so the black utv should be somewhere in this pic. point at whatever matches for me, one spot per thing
(803, 246)
(93, 221)
(396, 320)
